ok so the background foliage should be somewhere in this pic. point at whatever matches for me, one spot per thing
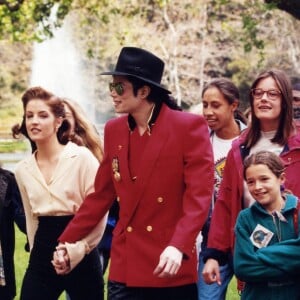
(198, 40)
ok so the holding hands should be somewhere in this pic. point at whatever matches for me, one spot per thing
(61, 260)
(168, 266)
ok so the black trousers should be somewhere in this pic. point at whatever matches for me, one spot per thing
(42, 282)
(5, 294)
(119, 291)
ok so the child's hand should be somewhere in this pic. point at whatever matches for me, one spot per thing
(211, 272)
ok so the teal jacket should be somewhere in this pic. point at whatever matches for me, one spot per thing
(272, 272)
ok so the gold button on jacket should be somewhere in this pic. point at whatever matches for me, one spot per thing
(160, 199)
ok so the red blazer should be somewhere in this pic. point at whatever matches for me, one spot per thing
(166, 205)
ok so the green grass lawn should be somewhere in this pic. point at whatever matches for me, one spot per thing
(232, 293)
(21, 260)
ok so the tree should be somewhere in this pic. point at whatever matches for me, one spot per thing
(198, 39)
(31, 20)
(290, 6)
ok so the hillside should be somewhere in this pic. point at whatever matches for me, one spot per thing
(198, 40)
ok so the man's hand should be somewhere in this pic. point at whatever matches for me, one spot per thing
(211, 272)
(61, 260)
(169, 262)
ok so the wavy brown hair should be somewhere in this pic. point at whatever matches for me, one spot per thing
(84, 133)
(56, 106)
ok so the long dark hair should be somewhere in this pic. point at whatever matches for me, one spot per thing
(285, 127)
(229, 91)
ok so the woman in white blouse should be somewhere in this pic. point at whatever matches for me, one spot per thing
(53, 183)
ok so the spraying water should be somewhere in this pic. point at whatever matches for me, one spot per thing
(57, 67)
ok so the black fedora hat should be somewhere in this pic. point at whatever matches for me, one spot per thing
(141, 64)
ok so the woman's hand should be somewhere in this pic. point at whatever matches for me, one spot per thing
(61, 260)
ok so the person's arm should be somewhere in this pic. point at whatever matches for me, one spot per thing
(211, 272)
(227, 205)
(90, 214)
(247, 264)
(286, 252)
(220, 233)
(76, 251)
(198, 163)
(94, 207)
(88, 169)
(19, 213)
(31, 220)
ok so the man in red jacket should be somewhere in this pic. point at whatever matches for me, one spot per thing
(158, 163)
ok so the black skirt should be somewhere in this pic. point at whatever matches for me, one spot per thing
(42, 282)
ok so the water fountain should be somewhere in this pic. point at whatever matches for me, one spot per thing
(57, 66)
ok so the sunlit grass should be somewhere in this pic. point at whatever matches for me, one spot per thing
(21, 259)
(232, 293)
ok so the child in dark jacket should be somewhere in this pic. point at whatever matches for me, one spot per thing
(266, 254)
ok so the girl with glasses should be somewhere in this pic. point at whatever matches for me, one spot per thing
(272, 129)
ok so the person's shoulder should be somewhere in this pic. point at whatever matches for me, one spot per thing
(20, 165)
(184, 117)
(6, 173)
(182, 114)
(294, 140)
(246, 211)
(116, 123)
(240, 140)
(117, 120)
(245, 214)
(6, 176)
(73, 149)
(291, 200)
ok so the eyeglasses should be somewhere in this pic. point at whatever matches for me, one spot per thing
(271, 94)
(117, 86)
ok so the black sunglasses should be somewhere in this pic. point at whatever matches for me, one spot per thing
(117, 86)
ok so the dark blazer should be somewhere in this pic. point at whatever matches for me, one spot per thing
(11, 210)
(166, 205)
